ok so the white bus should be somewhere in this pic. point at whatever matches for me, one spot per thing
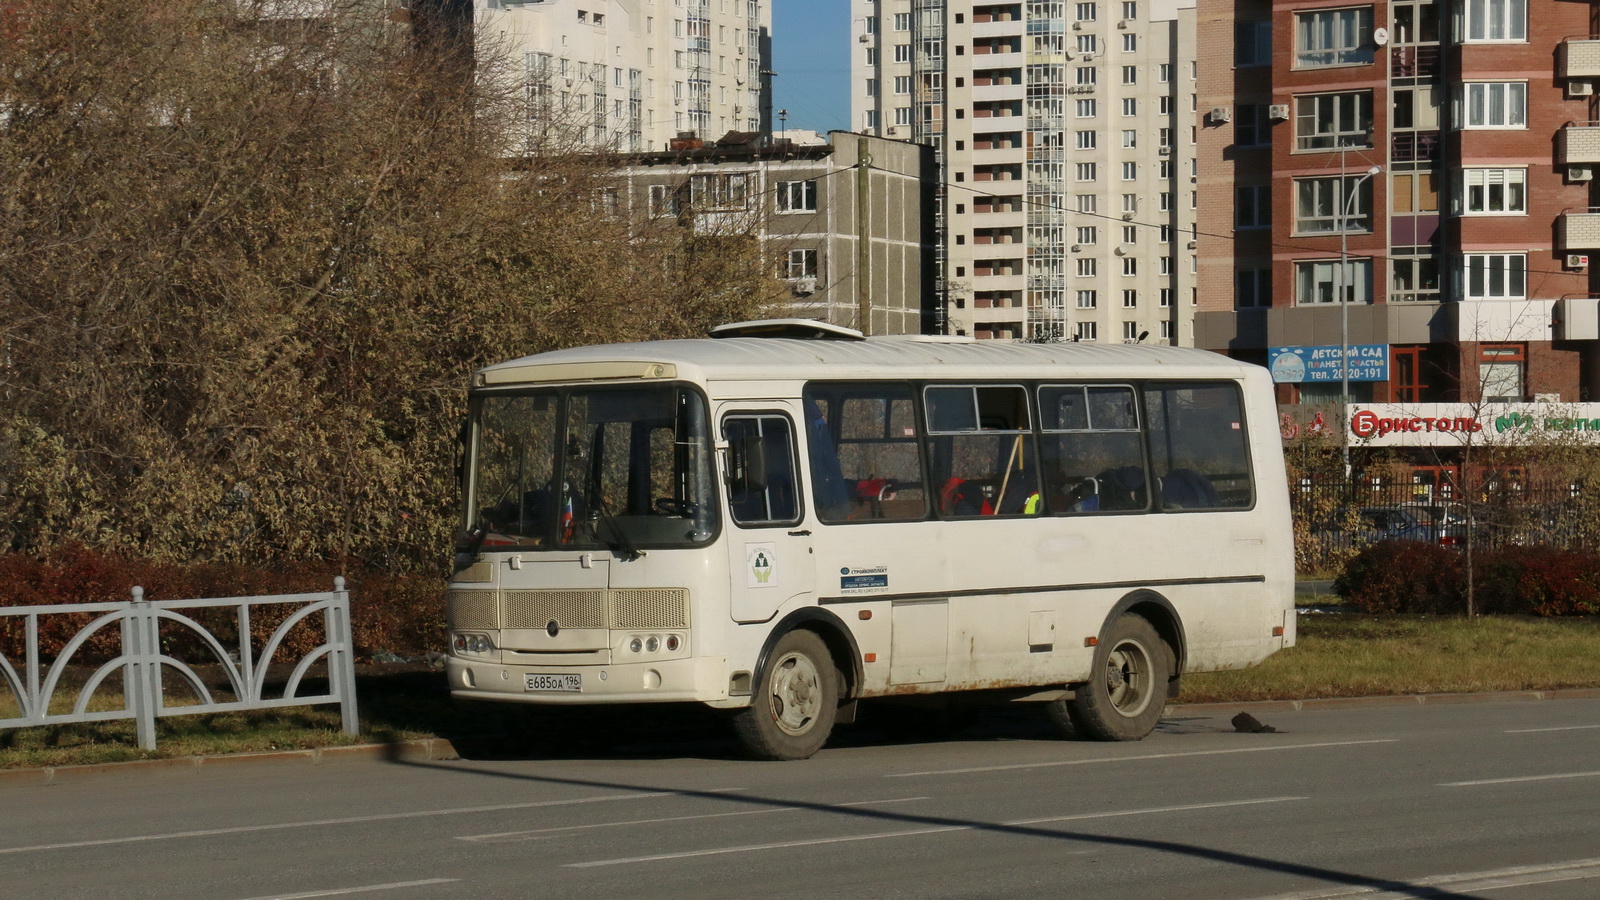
(786, 518)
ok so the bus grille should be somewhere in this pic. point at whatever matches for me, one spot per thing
(630, 609)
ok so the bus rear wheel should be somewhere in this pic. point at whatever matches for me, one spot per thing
(1127, 692)
(796, 700)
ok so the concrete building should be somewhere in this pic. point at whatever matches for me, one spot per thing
(1413, 178)
(630, 75)
(846, 221)
(1065, 139)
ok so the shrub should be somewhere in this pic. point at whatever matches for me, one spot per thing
(1539, 581)
(1405, 577)
(401, 614)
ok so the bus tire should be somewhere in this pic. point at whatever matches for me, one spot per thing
(796, 699)
(1125, 698)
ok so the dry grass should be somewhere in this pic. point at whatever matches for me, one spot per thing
(1348, 655)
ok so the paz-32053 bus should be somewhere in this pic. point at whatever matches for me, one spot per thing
(786, 518)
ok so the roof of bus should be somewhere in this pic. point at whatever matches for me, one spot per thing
(761, 359)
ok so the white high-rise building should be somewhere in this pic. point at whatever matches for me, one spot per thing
(1066, 136)
(632, 75)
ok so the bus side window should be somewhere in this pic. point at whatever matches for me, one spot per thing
(981, 451)
(1093, 458)
(762, 482)
(866, 463)
(1198, 447)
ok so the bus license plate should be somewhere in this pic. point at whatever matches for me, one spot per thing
(563, 682)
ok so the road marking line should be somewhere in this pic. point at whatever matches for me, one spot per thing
(359, 890)
(1116, 759)
(506, 837)
(1561, 728)
(348, 820)
(1516, 876)
(1521, 778)
(914, 832)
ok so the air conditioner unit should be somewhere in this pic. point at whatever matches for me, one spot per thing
(1580, 173)
(1278, 112)
(1088, 57)
(892, 130)
(1577, 260)
(1221, 114)
(1127, 217)
(1074, 248)
(864, 39)
(805, 286)
(1579, 87)
(1077, 26)
(1123, 24)
(1191, 245)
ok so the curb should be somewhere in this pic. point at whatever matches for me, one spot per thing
(1178, 709)
(431, 749)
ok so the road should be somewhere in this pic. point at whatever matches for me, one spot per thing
(1487, 800)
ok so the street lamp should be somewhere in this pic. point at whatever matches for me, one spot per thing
(1351, 192)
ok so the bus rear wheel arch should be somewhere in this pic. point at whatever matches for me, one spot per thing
(795, 701)
(1127, 690)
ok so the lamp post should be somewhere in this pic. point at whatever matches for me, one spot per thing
(1351, 191)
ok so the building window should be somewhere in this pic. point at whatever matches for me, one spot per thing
(1086, 171)
(1327, 121)
(663, 200)
(1086, 203)
(1087, 267)
(1130, 74)
(1164, 73)
(1251, 127)
(1088, 300)
(1166, 331)
(872, 56)
(1496, 20)
(1086, 75)
(902, 84)
(1495, 104)
(1130, 171)
(1087, 234)
(1130, 299)
(1086, 43)
(1086, 140)
(902, 21)
(1166, 266)
(1130, 265)
(1164, 201)
(1333, 37)
(1130, 137)
(1130, 106)
(1489, 192)
(1321, 281)
(730, 191)
(902, 53)
(1164, 298)
(1252, 206)
(1406, 365)
(1163, 105)
(1086, 331)
(1413, 279)
(1130, 203)
(869, 120)
(902, 115)
(1130, 234)
(797, 196)
(1130, 43)
(1086, 12)
(1252, 44)
(1130, 9)
(1253, 288)
(1085, 109)
(1323, 205)
(801, 264)
(1502, 371)
(1130, 331)
(1414, 192)
(1496, 276)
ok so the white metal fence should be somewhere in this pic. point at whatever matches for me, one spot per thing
(142, 661)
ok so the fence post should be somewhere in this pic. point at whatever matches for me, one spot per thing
(140, 687)
(342, 667)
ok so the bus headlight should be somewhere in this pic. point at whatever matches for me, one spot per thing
(471, 643)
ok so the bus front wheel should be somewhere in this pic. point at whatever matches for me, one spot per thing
(796, 699)
(1127, 691)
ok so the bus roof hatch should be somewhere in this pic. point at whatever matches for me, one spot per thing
(788, 328)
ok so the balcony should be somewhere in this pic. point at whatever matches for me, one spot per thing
(1578, 148)
(1414, 146)
(1578, 63)
(1578, 230)
(1414, 62)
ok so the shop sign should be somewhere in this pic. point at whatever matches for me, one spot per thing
(1293, 365)
(1458, 424)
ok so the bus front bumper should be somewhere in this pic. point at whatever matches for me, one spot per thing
(695, 679)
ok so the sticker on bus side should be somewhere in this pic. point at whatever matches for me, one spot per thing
(761, 565)
(864, 580)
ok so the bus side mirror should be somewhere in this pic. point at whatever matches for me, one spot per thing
(747, 463)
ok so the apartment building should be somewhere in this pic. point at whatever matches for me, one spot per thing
(1412, 179)
(1065, 137)
(845, 220)
(630, 75)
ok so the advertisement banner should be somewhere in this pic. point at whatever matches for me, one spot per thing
(1294, 365)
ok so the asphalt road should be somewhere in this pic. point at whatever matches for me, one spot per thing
(1487, 800)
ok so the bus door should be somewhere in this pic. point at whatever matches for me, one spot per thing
(769, 547)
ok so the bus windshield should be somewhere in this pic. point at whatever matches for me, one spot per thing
(620, 468)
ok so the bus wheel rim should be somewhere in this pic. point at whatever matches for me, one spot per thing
(1128, 678)
(796, 693)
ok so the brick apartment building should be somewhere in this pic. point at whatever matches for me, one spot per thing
(1431, 164)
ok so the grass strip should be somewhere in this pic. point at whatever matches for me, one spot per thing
(1338, 655)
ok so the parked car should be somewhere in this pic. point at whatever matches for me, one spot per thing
(1450, 521)
(1376, 523)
